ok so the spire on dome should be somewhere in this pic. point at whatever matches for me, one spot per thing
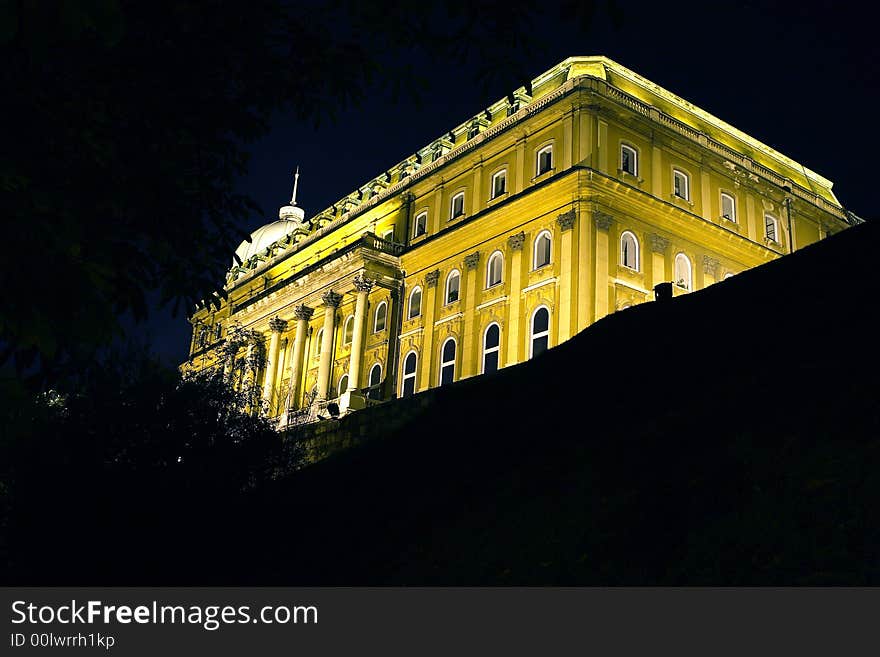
(291, 212)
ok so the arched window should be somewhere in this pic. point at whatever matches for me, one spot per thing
(499, 184)
(453, 284)
(408, 380)
(728, 207)
(456, 206)
(491, 347)
(544, 160)
(343, 385)
(682, 271)
(629, 160)
(380, 317)
(348, 331)
(770, 228)
(542, 249)
(447, 361)
(375, 381)
(420, 224)
(494, 269)
(415, 303)
(319, 340)
(629, 250)
(540, 340)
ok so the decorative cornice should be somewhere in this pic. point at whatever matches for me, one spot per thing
(471, 261)
(515, 242)
(659, 244)
(277, 325)
(363, 284)
(303, 312)
(603, 221)
(432, 277)
(710, 265)
(331, 299)
(566, 220)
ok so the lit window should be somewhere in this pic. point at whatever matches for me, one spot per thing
(542, 249)
(680, 184)
(447, 362)
(408, 381)
(453, 284)
(388, 235)
(728, 207)
(343, 385)
(629, 160)
(629, 251)
(494, 269)
(380, 317)
(348, 332)
(540, 340)
(319, 339)
(544, 160)
(420, 225)
(770, 227)
(415, 303)
(499, 184)
(682, 271)
(375, 380)
(456, 207)
(491, 347)
(218, 331)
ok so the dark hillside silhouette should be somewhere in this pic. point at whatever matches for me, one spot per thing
(730, 436)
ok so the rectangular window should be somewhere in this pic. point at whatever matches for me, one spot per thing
(728, 207)
(545, 160)
(499, 184)
(629, 160)
(420, 226)
(457, 208)
(388, 235)
(770, 227)
(680, 185)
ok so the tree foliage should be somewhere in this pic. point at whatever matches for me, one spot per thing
(128, 124)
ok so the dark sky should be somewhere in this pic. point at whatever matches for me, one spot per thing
(802, 78)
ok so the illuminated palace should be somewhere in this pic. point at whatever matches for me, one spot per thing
(556, 205)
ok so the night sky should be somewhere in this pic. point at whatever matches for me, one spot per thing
(801, 78)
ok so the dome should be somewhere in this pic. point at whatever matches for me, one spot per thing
(262, 237)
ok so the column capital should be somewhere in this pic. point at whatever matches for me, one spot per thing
(277, 325)
(515, 242)
(659, 244)
(302, 311)
(603, 221)
(566, 220)
(432, 277)
(710, 265)
(363, 284)
(331, 299)
(471, 261)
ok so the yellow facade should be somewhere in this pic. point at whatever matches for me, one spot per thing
(556, 205)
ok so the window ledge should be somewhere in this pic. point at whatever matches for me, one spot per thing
(628, 270)
(458, 216)
(681, 200)
(627, 176)
(725, 220)
(495, 199)
(541, 176)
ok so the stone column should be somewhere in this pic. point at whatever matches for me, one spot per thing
(363, 286)
(565, 222)
(429, 303)
(277, 327)
(303, 314)
(603, 223)
(659, 245)
(331, 303)
(515, 244)
(710, 270)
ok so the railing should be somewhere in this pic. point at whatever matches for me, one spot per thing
(376, 243)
